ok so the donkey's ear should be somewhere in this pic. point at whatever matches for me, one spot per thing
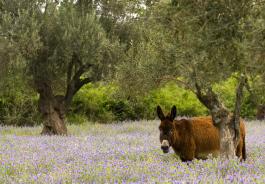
(160, 113)
(173, 113)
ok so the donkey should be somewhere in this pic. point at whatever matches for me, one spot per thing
(193, 138)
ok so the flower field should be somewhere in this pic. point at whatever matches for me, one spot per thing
(118, 153)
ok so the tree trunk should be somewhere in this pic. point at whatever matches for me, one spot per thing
(226, 122)
(53, 116)
(221, 119)
(227, 141)
(52, 109)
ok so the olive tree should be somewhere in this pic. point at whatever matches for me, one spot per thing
(199, 44)
(63, 50)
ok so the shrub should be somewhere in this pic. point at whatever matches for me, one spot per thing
(186, 102)
(19, 109)
(91, 102)
(99, 103)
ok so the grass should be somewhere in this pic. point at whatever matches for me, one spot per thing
(118, 153)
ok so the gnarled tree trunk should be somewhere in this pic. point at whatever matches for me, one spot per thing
(52, 109)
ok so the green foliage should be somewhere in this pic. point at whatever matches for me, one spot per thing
(78, 36)
(76, 118)
(226, 92)
(58, 43)
(202, 44)
(18, 104)
(62, 47)
(100, 103)
(123, 110)
(19, 110)
(186, 102)
(91, 101)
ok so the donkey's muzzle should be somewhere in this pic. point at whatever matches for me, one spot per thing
(165, 149)
(165, 146)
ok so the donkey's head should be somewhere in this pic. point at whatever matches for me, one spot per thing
(166, 128)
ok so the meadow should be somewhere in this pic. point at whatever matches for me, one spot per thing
(118, 153)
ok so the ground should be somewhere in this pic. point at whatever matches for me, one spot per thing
(118, 153)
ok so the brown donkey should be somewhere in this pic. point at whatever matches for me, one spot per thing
(193, 138)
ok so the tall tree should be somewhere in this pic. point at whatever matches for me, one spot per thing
(199, 44)
(63, 50)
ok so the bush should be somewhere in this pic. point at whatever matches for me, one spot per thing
(186, 102)
(18, 101)
(19, 109)
(98, 103)
(90, 101)
(121, 110)
(76, 118)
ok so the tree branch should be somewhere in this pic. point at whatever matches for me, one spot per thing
(180, 82)
(211, 102)
(71, 86)
(69, 72)
(81, 83)
(74, 82)
(209, 99)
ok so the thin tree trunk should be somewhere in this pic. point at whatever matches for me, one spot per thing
(237, 109)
